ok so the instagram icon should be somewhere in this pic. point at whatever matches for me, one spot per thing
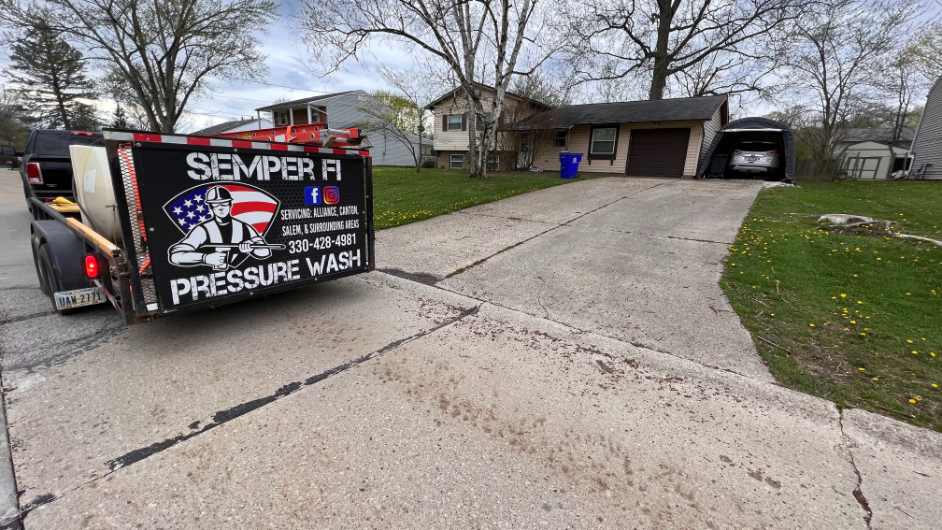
(331, 194)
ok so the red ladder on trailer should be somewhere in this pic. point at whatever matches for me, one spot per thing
(312, 134)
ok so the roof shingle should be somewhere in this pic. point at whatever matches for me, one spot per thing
(679, 109)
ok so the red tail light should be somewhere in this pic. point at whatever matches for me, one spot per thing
(91, 266)
(772, 153)
(737, 152)
(33, 174)
(83, 133)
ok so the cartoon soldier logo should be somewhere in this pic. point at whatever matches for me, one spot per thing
(224, 225)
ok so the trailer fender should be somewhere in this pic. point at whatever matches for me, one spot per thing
(66, 251)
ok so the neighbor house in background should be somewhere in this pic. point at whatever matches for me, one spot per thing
(342, 110)
(879, 135)
(451, 127)
(927, 144)
(661, 138)
(236, 126)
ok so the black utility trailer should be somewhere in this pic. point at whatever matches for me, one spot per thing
(203, 222)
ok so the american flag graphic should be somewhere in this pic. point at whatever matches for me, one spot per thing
(249, 205)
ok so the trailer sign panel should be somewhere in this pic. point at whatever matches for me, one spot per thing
(226, 223)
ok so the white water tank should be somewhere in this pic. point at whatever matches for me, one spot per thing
(94, 191)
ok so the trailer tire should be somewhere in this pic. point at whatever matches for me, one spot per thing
(48, 281)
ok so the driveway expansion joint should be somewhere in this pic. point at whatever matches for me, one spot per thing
(517, 244)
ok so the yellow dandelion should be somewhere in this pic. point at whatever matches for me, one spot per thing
(913, 401)
(843, 295)
(812, 325)
(876, 378)
(853, 321)
(935, 385)
(862, 369)
(915, 352)
(909, 341)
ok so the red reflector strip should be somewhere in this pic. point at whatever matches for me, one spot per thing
(308, 149)
(197, 141)
(144, 137)
(242, 144)
(363, 153)
(279, 147)
(339, 151)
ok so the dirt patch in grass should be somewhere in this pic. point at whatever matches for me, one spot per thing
(853, 315)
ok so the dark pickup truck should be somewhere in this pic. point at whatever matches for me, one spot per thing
(9, 156)
(47, 169)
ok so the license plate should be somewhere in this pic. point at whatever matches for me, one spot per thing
(751, 159)
(79, 298)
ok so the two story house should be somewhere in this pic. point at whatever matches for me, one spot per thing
(451, 127)
(342, 110)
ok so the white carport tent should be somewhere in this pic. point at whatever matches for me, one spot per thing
(871, 160)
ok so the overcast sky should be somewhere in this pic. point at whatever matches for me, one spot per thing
(286, 56)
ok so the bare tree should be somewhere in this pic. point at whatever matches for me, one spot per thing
(162, 52)
(926, 51)
(477, 40)
(834, 65)
(664, 38)
(401, 114)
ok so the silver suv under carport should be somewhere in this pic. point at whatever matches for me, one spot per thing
(755, 157)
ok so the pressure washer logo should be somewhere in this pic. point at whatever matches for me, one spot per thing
(223, 225)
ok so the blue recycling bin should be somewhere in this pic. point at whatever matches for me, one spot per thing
(569, 164)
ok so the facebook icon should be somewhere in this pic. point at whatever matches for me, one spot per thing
(312, 196)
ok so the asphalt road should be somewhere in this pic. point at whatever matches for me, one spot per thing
(563, 370)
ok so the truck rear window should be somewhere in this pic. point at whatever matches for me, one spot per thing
(58, 143)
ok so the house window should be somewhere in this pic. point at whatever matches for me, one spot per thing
(282, 118)
(457, 161)
(455, 122)
(603, 141)
(492, 163)
(560, 137)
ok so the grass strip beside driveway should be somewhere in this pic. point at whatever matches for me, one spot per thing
(403, 196)
(853, 316)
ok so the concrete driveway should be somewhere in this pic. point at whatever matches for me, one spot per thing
(382, 402)
(633, 259)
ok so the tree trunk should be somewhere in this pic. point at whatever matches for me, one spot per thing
(662, 59)
(659, 80)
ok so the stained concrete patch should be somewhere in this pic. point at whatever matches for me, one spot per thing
(156, 382)
(17, 303)
(658, 292)
(440, 246)
(699, 210)
(50, 338)
(489, 423)
(900, 469)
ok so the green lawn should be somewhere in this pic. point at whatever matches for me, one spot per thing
(851, 316)
(403, 197)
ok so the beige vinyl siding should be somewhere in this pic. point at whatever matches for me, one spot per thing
(458, 140)
(548, 158)
(710, 128)
(453, 140)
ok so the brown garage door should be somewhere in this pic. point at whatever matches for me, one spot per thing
(658, 152)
